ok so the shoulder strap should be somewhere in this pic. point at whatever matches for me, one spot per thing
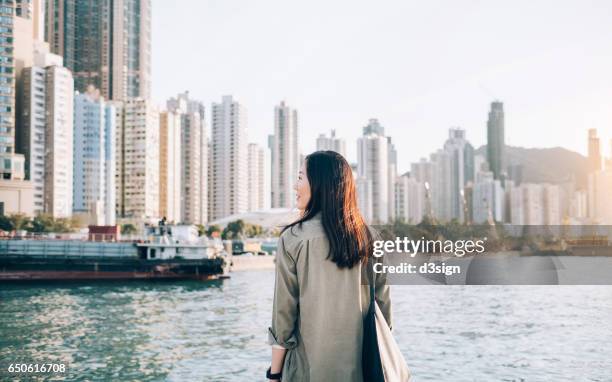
(371, 282)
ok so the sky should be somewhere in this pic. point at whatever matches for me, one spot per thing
(420, 67)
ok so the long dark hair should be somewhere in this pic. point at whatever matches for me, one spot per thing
(333, 194)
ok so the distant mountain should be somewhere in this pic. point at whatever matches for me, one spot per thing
(550, 165)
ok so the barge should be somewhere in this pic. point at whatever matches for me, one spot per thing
(159, 259)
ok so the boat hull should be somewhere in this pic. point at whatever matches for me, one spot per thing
(19, 268)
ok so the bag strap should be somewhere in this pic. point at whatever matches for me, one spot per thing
(371, 282)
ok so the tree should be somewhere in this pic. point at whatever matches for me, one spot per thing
(42, 223)
(233, 230)
(128, 229)
(20, 221)
(212, 229)
(6, 224)
(61, 225)
(201, 230)
(253, 230)
(47, 223)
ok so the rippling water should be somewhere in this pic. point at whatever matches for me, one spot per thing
(216, 331)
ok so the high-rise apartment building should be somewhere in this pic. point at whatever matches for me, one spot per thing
(138, 161)
(285, 156)
(421, 171)
(106, 43)
(94, 158)
(462, 169)
(15, 191)
(488, 199)
(409, 199)
(599, 201)
(170, 152)
(46, 132)
(194, 160)
(229, 178)
(441, 187)
(374, 173)
(535, 204)
(496, 144)
(391, 177)
(256, 161)
(331, 143)
(59, 132)
(594, 152)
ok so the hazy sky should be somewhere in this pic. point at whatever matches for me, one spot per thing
(420, 67)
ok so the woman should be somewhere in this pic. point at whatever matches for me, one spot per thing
(319, 300)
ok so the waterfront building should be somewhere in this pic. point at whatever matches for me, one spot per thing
(256, 178)
(229, 154)
(373, 173)
(46, 132)
(138, 161)
(95, 130)
(104, 43)
(551, 199)
(421, 171)
(594, 152)
(496, 145)
(285, 156)
(409, 199)
(488, 199)
(365, 201)
(194, 160)
(170, 169)
(16, 193)
(441, 185)
(331, 143)
(579, 206)
(535, 204)
(59, 142)
(599, 201)
(462, 170)
(391, 177)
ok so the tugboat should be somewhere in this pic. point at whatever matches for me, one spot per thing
(168, 253)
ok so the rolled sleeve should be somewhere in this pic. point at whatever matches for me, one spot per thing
(286, 298)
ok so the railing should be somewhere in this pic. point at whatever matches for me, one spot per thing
(66, 248)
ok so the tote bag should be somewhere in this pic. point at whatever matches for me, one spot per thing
(381, 359)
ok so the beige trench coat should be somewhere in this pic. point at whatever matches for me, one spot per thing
(318, 308)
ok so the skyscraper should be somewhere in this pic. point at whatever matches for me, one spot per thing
(170, 153)
(256, 187)
(285, 156)
(331, 143)
(229, 146)
(462, 169)
(373, 173)
(138, 161)
(59, 89)
(94, 158)
(106, 43)
(46, 131)
(488, 199)
(7, 100)
(409, 199)
(496, 145)
(392, 177)
(594, 152)
(15, 191)
(441, 185)
(194, 161)
(599, 201)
